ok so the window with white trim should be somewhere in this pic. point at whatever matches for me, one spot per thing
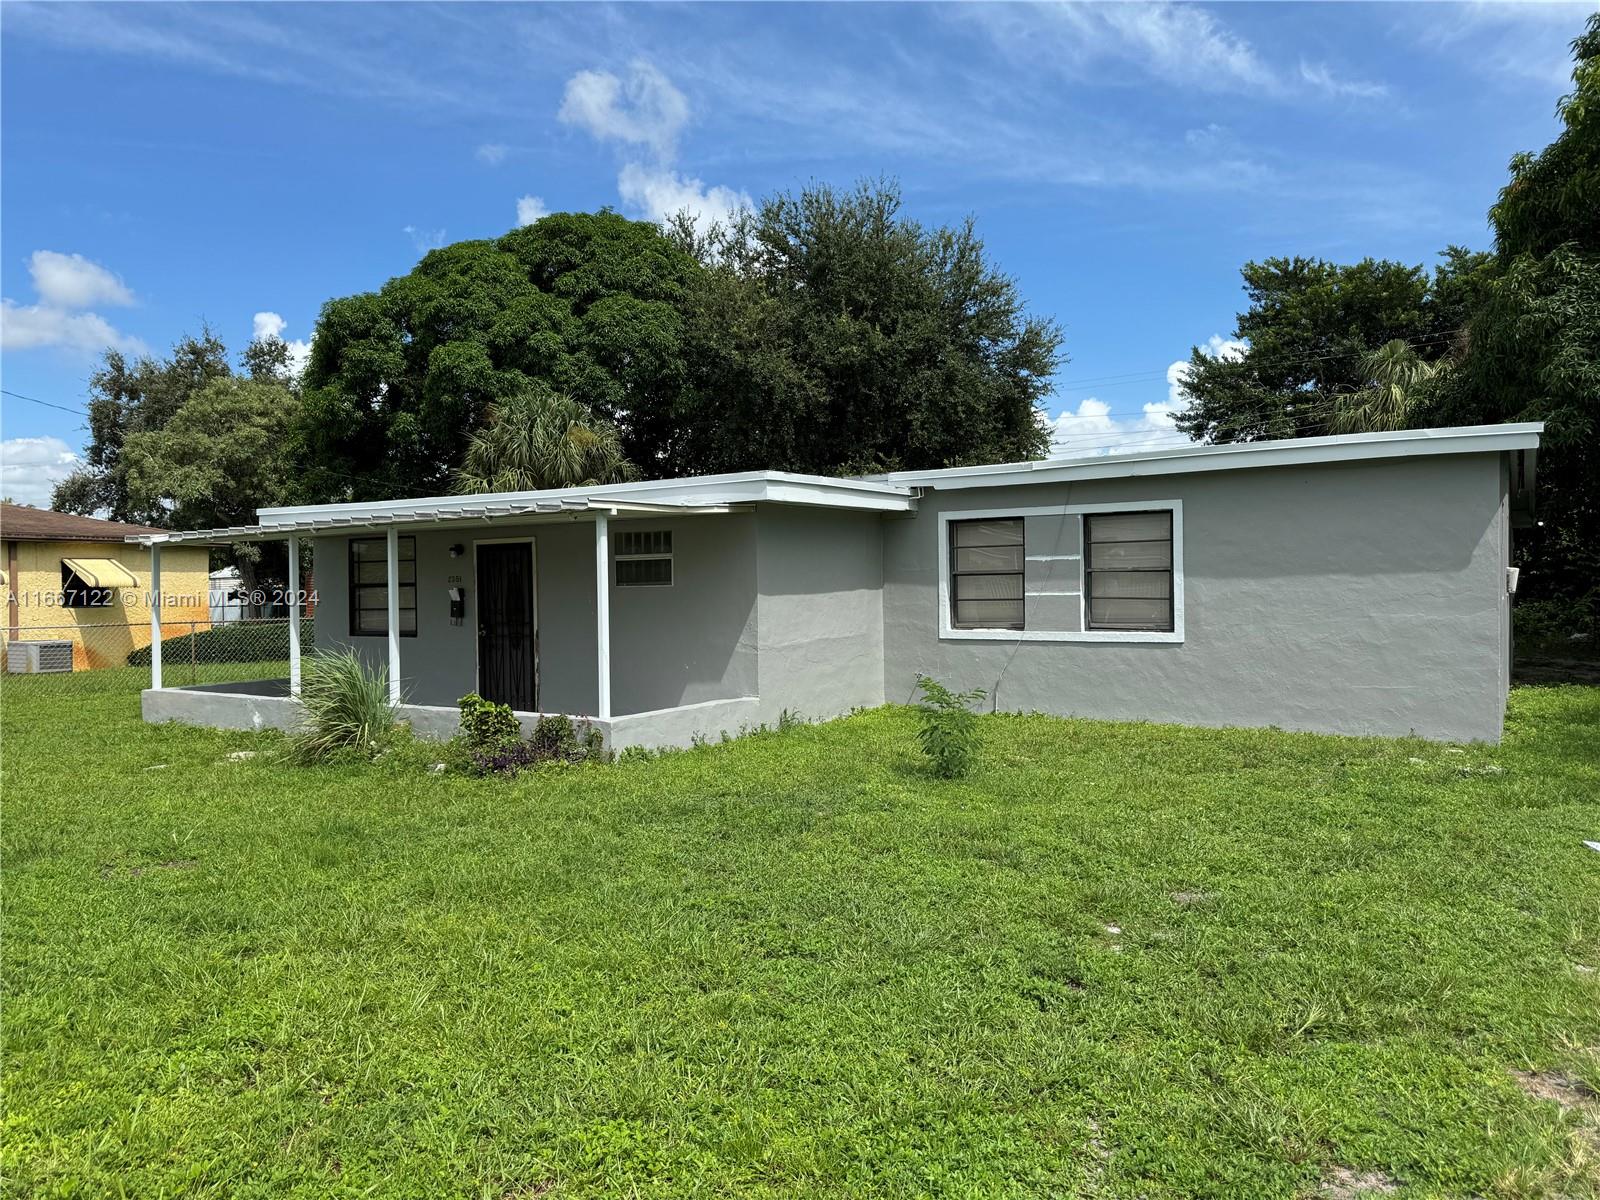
(644, 558)
(1128, 571)
(986, 567)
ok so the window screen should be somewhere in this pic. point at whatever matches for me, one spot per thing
(369, 587)
(644, 558)
(986, 564)
(1129, 570)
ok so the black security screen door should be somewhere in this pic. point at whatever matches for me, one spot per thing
(505, 625)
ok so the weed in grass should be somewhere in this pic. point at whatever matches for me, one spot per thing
(949, 730)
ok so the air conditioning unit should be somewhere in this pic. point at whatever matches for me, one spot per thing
(38, 658)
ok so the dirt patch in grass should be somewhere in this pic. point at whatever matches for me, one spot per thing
(1184, 899)
(1346, 1183)
(1569, 1093)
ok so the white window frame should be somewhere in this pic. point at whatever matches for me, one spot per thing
(948, 632)
(672, 567)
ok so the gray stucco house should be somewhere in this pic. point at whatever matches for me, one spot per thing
(1356, 584)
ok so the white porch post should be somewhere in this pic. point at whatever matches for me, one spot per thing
(155, 614)
(393, 581)
(602, 610)
(294, 614)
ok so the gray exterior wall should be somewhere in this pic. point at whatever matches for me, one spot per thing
(819, 578)
(1353, 598)
(691, 642)
(1362, 598)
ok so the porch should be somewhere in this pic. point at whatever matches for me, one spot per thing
(635, 612)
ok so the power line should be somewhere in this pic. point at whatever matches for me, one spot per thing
(35, 400)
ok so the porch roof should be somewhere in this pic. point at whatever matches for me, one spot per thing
(700, 496)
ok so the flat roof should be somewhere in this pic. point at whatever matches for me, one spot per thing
(1285, 452)
(697, 496)
(895, 491)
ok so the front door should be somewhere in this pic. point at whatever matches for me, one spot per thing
(506, 635)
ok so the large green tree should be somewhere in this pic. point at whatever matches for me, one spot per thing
(1534, 346)
(829, 332)
(399, 379)
(126, 398)
(227, 451)
(1313, 333)
(540, 439)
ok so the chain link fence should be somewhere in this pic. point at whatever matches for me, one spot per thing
(116, 656)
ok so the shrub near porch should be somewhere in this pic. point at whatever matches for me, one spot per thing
(1117, 959)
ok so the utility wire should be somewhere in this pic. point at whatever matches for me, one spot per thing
(35, 400)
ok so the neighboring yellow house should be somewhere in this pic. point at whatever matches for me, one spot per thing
(72, 578)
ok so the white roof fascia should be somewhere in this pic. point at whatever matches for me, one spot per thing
(699, 491)
(480, 515)
(1356, 447)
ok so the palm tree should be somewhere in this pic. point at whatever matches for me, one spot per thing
(539, 439)
(1392, 397)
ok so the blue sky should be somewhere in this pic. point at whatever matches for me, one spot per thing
(167, 164)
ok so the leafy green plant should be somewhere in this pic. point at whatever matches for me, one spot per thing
(949, 730)
(347, 708)
(1560, 625)
(554, 737)
(486, 725)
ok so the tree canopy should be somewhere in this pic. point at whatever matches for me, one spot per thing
(399, 379)
(1534, 349)
(822, 332)
(829, 332)
(226, 452)
(1311, 333)
(132, 401)
(127, 398)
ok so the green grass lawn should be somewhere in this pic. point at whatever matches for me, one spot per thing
(1120, 960)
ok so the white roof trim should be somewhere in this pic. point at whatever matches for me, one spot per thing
(705, 495)
(1289, 452)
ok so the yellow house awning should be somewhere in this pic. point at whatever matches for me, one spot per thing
(100, 572)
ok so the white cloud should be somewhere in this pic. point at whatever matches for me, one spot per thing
(30, 468)
(643, 110)
(1096, 428)
(1320, 77)
(35, 326)
(66, 283)
(658, 193)
(267, 325)
(530, 209)
(73, 281)
(424, 239)
(492, 153)
(1177, 43)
